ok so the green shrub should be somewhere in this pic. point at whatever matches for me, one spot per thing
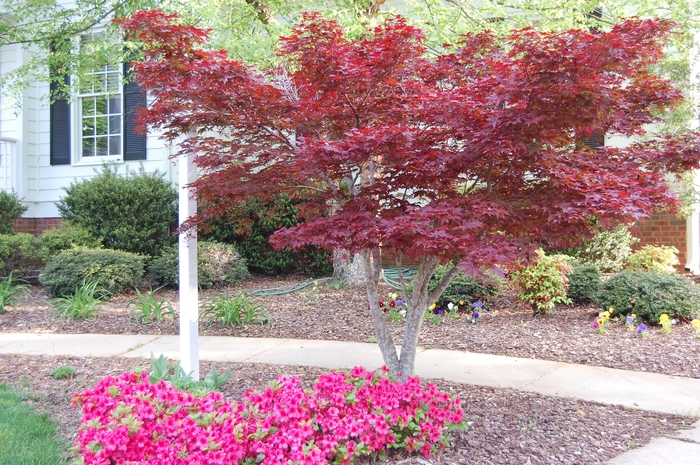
(217, 265)
(114, 270)
(250, 229)
(544, 284)
(462, 288)
(608, 250)
(132, 213)
(655, 259)
(20, 255)
(67, 236)
(649, 295)
(11, 208)
(585, 282)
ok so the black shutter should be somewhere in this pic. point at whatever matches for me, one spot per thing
(59, 121)
(134, 143)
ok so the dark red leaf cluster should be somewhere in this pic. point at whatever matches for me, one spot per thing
(476, 156)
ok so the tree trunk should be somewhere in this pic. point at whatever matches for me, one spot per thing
(347, 267)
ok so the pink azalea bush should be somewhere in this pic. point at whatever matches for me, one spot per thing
(127, 420)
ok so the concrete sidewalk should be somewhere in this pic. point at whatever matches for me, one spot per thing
(681, 396)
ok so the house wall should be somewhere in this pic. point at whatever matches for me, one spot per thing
(667, 230)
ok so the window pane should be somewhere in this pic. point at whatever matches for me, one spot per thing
(88, 126)
(115, 124)
(115, 145)
(88, 106)
(101, 125)
(115, 105)
(89, 147)
(101, 148)
(101, 106)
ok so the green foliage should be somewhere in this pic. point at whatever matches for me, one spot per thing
(217, 265)
(20, 255)
(67, 236)
(161, 370)
(10, 288)
(133, 212)
(113, 270)
(81, 304)
(608, 250)
(544, 284)
(149, 308)
(250, 229)
(64, 372)
(585, 282)
(655, 259)
(233, 311)
(462, 288)
(27, 437)
(11, 208)
(649, 295)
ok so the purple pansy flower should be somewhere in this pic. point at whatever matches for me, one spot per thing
(641, 328)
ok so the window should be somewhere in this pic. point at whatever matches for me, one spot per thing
(99, 105)
(98, 124)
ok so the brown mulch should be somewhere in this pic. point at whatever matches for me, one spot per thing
(506, 426)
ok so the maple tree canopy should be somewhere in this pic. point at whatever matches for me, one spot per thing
(475, 156)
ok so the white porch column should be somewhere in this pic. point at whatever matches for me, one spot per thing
(189, 294)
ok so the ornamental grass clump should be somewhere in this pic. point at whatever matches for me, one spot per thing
(345, 416)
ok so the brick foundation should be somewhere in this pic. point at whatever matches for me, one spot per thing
(36, 226)
(663, 230)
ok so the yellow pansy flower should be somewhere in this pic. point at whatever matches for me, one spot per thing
(696, 324)
(663, 318)
(432, 307)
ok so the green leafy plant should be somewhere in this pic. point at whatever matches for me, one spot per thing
(217, 265)
(64, 372)
(131, 212)
(11, 208)
(655, 259)
(251, 224)
(544, 284)
(463, 288)
(234, 311)
(114, 270)
(149, 308)
(609, 249)
(10, 288)
(161, 370)
(82, 304)
(649, 295)
(585, 282)
(20, 255)
(67, 236)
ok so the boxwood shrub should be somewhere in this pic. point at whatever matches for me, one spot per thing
(54, 241)
(649, 295)
(462, 288)
(585, 282)
(20, 255)
(11, 208)
(217, 265)
(115, 271)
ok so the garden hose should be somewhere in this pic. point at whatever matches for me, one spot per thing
(389, 275)
(286, 290)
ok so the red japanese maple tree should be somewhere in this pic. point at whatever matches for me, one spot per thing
(475, 157)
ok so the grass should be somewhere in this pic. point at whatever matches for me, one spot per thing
(234, 311)
(26, 437)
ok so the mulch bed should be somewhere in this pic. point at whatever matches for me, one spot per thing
(506, 426)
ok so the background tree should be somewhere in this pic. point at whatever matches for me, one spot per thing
(475, 157)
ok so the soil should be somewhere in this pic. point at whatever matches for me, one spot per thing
(506, 426)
